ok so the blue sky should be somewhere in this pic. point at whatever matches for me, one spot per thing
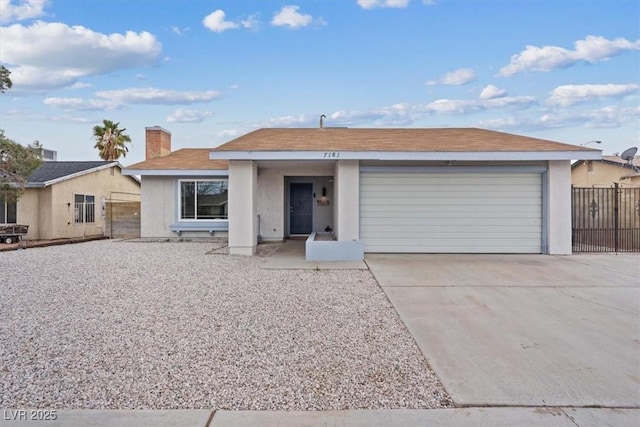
(209, 71)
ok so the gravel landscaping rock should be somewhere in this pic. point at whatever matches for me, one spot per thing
(176, 325)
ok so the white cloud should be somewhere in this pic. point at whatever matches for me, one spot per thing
(179, 31)
(372, 4)
(400, 114)
(591, 49)
(117, 99)
(606, 117)
(79, 104)
(491, 92)
(404, 114)
(68, 118)
(573, 94)
(216, 23)
(458, 77)
(289, 16)
(469, 106)
(79, 85)
(157, 96)
(454, 106)
(503, 123)
(509, 101)
(188, 116)
(51, 55)
(228, 133)
(17, 10)
(288, 121)
(251, 22)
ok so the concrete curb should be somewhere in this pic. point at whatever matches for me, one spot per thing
(105, 418)
(459, 417)
(28, 244)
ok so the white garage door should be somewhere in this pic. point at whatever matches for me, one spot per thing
(451, 213)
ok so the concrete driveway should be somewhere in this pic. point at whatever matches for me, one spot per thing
(523, 329)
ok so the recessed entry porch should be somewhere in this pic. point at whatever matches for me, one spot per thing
(294, 198)
(275, 200)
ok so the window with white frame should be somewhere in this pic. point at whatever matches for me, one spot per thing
(8, 211)
(85, 209)
(203, 199)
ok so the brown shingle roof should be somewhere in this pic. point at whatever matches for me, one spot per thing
(183, 159)
(399, 140)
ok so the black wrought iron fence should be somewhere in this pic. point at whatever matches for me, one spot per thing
(605, 219)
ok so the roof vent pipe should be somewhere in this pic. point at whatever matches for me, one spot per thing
(322, 117)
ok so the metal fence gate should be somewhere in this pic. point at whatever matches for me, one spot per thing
(605, 219)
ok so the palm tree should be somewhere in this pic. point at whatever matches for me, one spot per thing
(111, 141)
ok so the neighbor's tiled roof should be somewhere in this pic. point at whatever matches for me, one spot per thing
(183, 159)
(398, 140)
(50, 171)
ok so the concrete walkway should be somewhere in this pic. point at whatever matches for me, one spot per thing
(463, 417)
(523, 330)
(290, 256)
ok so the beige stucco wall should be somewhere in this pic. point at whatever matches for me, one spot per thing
(28, 208)
(243, 218)
(601, 175)
(347, 210)
(49, 211)
(559, 207)
(158, 207)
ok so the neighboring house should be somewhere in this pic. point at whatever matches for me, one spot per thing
(382, 190)
(67, 199)
(605, 172)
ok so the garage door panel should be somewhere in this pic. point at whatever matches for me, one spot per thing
(499, 248)
(427, 225)
(398, 203)
(383, 211)
(469, 213)
(408, 179)
(469, 194)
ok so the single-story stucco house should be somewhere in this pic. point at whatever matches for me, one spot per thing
(605, 172)
(66, 199)
(463, 190)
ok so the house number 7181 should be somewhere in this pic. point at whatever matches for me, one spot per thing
(331, 154)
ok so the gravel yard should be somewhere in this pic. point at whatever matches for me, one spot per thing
(158, 325)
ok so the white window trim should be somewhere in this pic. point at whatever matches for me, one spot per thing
(196, 181)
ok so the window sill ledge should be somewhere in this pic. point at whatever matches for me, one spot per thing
(200, 226)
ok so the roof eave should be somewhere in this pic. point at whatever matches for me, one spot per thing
(176, 172)
(75, 175)
(408, 155)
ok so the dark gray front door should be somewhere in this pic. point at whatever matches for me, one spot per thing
(300, 208)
